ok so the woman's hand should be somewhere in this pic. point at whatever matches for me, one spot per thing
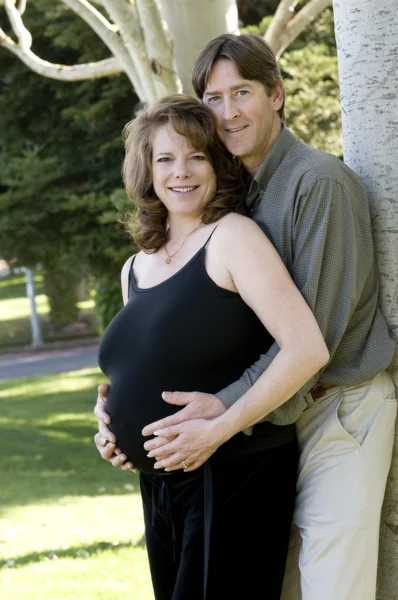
(189, 445)
(105, 440)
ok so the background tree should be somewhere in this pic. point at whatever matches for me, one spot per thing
(60, 148)
(60, 157)
(154, 42)
(367, 33)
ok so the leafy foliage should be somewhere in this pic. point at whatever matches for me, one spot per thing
(61, 196)
(60, 155)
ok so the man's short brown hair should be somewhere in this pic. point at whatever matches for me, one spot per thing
(252, 56)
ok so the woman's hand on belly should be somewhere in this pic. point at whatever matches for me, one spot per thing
(105, 440)
(192, 443)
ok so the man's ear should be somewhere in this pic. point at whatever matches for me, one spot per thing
(278, 94)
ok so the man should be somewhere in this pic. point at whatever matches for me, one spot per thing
(315, 211)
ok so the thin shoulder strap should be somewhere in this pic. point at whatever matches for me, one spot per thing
(126, 278)
(130, 276)
(209, 238)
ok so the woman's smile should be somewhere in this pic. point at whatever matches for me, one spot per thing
(181, 172)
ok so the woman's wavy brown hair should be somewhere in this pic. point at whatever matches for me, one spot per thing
(147, 222)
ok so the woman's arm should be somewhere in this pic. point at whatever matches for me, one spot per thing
(264, 283)
(105, 439)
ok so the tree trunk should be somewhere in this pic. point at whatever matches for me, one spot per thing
(60, 285)
(366, 35)
(192, 25)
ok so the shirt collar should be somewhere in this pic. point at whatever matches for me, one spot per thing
(271, 162)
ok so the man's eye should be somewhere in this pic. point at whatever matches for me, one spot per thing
(243, 92)
(213, 99)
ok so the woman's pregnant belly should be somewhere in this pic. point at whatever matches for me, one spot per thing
(130, 412)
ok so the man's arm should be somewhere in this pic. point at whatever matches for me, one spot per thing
(329, 269)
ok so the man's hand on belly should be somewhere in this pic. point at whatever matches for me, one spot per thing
(197, 405)
(105, 439)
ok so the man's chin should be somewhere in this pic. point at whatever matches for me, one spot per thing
(236, 150)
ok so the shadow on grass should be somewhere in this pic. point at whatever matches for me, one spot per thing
(47, 449)
(72, 552)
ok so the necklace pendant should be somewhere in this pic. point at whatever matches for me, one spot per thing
(167, 260)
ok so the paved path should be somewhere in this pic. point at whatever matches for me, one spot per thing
(28, 364)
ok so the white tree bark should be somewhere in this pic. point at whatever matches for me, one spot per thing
(107, 32)
(155, 42)
(366, 34)
(287, 25)
(102, 68)
(159, 48)
(192, 25)
(125, 16)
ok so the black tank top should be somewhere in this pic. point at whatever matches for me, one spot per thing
(184, 334)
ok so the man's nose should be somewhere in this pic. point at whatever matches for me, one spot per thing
(231, 111)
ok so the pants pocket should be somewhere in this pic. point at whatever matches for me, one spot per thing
(346, 421)
(391, 396)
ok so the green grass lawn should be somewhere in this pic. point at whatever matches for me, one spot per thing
(15, 311)
(70, 523)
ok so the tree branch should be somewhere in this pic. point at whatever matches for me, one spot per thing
(106, 31)
(286, 26)
(102, 68)
(23, 35)
(159, 48)
(126, 18)
(282, 16)
(300, 21)
(21, 6)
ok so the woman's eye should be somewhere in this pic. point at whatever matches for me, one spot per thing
(199, 157)
(163, 159)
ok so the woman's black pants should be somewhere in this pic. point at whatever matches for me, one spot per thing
(250, 507)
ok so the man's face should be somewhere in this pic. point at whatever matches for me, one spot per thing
(247, 119)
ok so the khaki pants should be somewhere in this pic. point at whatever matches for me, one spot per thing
(346, 440)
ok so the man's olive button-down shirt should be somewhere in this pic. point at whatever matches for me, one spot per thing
(315, 211)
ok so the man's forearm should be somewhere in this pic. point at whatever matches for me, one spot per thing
(237, 389)
(272, 389)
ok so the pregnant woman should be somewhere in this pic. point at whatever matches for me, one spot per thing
(204, 298)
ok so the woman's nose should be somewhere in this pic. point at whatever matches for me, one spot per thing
(182, 169)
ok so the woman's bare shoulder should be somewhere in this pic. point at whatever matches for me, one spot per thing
(237, 225)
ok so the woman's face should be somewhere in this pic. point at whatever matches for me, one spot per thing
(183, 178)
